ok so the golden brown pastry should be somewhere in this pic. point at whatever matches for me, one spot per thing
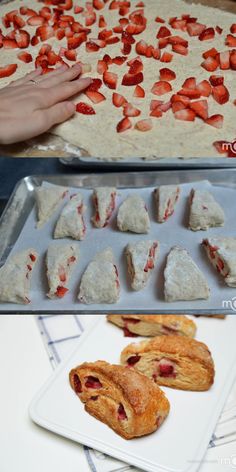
(125, 400)
(172, 361)
(154, 325)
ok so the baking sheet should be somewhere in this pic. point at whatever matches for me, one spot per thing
(173, 232)
(181, 442)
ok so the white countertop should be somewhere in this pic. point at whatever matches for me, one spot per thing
(25, 447)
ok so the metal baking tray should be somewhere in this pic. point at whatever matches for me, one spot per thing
(22, 202)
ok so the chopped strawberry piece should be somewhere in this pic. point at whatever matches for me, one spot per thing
(216, 80)
(8, 70)
(155, 104)
(128, 334)
(191, 93)
(230, 40)
(166, 370)
(127, 38)
(22, 38)
(166, 57)
(130, 110)
(161, 87)
(98, 4)
(70, 54)
(61, 291)
(95, 85)
(204, 88)
(126, 49)
(139, 92)
(216, 121)
(210, 64)
(102, 67)
(118, 100)
(208, 33)
(119, 60)
(77, 384)
(141, 48)
(102, 22)
(163, 42)
(167, 74)
(219, 30)
(85, 109)
(176, 106)
(190, 83)
(163, 32)
(136, 67)
(180, 49)
(220, 94)
(124, 125)
(233, 28)
(210, 53)
(144, 125)
(121, 413)
(159, 20)
(224, 60)
(185, 115)
(45, 32)
(133, 360)
(18, 22)
(233, 59)
(110, 79)
(200, 108)
(180, 98)
(36, 20)
(91, 46)
(130, 79)
(95, 97)
(178, 40)
(195, 29)
(92, 382)
(25, 57)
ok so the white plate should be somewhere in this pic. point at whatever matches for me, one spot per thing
(181, 442)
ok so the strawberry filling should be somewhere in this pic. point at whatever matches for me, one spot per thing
(121, 413)
(133, 360)
(150, 262)
(128, 334)
(165, 368)
(92, 382)
(77, 384)
(130, 320)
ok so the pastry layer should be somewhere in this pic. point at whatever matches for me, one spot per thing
(205, 212)
(71, 221)
(48, 199)
(133, 215)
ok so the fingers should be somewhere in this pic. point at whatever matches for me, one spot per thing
(26, 78)
(63, 91)
(56, 114)
(59, 76)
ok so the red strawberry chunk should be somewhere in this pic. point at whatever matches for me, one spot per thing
(180, 49)
(9, 43)
(25, 57)
(161, 87)
(144, 125)
(216, 121)
(102, 22)
(195, 29)
(216, 80)
(102, 67)
(204, 88)
(166, 57)
(141, 48)
(22, 38)
(185, 115)
(190, 83)
(95, 97)
(166, 370)
(200, 107)
(128, 334)
(219, 30)
(178, 40)
(85, 109)
(210, 64)
(119, 60)
(92, 382)
(159, 20)
(163, 32)
(233, 59)
(130, 79)
(61, 291)
(167, 74)
(130, 110)
(36, 20)
(210, 53)
(233, 28)
(221, 94)
(136, 67)
(71, 54)
(98, 4)
(95, 85)
(124, 125)
(133, 360)
(208, 33)
(8, 70)
(163, 42)
(230, 40)
(121, 413)
(118, 100)
(139, 92)
(224, 59)
(77, 384)
(110, 79)
(191, 93)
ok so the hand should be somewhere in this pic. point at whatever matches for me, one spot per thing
(33, 104)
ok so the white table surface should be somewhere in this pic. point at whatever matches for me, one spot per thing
(25, 447)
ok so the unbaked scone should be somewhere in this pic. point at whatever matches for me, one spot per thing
(205, 212)
(183, 279)
(104, 199)
(100, 282)
(166, 197)
(15, 277)
(173, 361)
(123, 399)
(60, 261)
(154, 325)
(71, 221)
(133, 215)
(141, 257)
(48, 200)
(222, 254)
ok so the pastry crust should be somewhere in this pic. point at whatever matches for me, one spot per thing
(15, 277)
(133, 215)
(60, 261)
(141, 259)
(222, 254)
(100, 283)
(71, 221)
(104, 199)
(166, 197)
(173, 361)
(205, 212)
(154, 325)
(48, 199)
(183, 279)
(122, 398)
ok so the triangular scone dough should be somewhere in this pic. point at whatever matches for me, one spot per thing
(60, 261)
(133, 215)
(141, 260)
(222, 254)
(183, 279)
(104, 202)
(15, 277)
(100, 283)
(71, 221)
(166, 197)
(205, 212)
(47, 200)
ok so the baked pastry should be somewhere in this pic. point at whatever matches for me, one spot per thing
(154, 325)
(205, 212)
(100, 282)
(125, 400)
(172, 361)
(166, 197)
(71, 221)
(48, 200)
(222, 254)
(221, 317)
(104, 199)
(60, 261)
(15, 277)
(141, 259)
(133, 215)
(183, 279)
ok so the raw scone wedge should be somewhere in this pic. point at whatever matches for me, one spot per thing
(183, 279)
(166, 197)
(15, 277)
(123, 399)
(141, 259)
(100, 282)
(173, 361)
(60, 262)
(205, 212)
(133, 215)
(154, 325)
(48, 200)
(222, 254)
(104, 199)
(71, 221)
